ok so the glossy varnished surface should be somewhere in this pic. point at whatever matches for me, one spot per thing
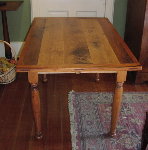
(75, 44)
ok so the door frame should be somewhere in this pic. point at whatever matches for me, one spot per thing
(109, 9)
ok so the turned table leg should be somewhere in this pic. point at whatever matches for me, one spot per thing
(33, 80)
(121, 78)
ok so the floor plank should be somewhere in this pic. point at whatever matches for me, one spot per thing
(16, 120)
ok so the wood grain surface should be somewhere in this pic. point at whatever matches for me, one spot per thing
(71, 44)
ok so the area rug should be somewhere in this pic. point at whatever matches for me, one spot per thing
(90, 116)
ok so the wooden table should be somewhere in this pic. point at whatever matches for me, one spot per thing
(8, 6)
(75, 45)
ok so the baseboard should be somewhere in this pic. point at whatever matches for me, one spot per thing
(16, 46)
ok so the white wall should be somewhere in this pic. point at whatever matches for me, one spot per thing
(16, 46)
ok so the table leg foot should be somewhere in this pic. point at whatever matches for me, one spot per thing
(112, 134)
(39, 136)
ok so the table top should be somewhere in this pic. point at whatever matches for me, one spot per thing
(75, 45)
(10, 5)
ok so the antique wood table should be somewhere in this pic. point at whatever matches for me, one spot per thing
(75, 45)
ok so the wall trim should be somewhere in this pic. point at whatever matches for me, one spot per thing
(34, 9)
(17, 46)
(109, 10)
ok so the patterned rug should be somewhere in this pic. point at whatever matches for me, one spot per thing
(90, 115)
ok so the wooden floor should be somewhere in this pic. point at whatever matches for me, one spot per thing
(16, 121)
